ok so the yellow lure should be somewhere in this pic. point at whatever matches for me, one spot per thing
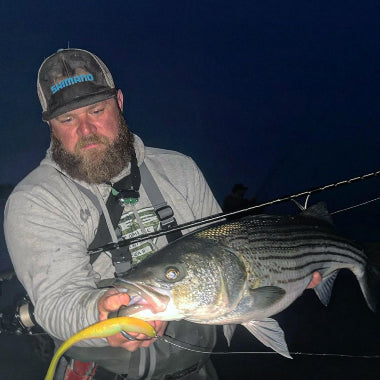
(101, 329)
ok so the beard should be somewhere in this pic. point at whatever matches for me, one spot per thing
(96, 166)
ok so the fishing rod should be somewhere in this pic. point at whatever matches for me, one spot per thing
(221, 216)
(214, 218)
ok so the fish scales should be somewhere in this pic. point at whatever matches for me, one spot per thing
(245, 271)
(298, 246)
(260, 237)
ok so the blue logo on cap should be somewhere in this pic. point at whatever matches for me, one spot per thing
(70, 81)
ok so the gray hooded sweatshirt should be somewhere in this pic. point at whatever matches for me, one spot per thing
(49, 224)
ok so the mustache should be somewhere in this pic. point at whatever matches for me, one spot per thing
(96, 165)
(93, 139)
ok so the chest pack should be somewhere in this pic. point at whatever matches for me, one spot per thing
(126, 191)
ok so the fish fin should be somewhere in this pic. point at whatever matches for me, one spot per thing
(228, 331)
(370, 285)
(267, 296)
(318, 211)
(324, 289)
(269, 332)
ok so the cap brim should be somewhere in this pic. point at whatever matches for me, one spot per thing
(78, 103)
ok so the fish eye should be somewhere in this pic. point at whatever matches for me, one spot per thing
(172, 273)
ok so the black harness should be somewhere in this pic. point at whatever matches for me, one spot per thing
(126, 191)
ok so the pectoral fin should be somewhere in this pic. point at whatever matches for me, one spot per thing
(269, 332)
(324, 289)
(228, 331)
(266, 296)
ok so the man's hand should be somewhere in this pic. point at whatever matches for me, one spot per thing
(112, 300)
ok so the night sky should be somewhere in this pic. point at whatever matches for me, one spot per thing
(282, 96)
(277, 96)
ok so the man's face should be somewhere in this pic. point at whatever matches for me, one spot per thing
(92, 143)
(75, 129)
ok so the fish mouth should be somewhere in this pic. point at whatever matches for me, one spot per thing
(142, 297)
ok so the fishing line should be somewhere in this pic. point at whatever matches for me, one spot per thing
(336, 355)
(164, 338)
(300, 354)
(354, 206)
(202, 350)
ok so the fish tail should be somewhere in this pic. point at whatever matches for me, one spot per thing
(101, 329)
(370, 285)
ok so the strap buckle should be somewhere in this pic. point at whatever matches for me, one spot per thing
(121, 259)
(128, 196)
(165, 215)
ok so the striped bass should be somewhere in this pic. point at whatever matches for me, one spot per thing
(244, 271)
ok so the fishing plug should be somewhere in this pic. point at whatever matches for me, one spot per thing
(125, 334)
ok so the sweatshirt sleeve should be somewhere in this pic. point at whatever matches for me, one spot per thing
(49, 252)
(200, 196)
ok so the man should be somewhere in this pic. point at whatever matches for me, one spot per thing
(236, 201)
(55, 213)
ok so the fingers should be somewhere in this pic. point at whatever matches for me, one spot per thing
(160, 327)
(110, 301)
(141, 339)
(316, 280)
(133, 345)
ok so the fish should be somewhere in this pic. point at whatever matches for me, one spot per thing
(245, 271)
(101, 329)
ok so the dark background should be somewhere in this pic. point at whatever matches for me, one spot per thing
(282, 96)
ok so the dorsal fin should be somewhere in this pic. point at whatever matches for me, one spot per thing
(318, 211)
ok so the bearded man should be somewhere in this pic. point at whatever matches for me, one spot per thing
(55, 214)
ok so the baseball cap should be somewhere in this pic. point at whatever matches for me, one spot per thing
(239, 186)
(70, 79)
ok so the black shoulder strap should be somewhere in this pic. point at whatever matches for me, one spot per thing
(164, 212)
(125, 191)
(121, 257)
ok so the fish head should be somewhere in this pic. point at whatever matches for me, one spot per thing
(182, 281)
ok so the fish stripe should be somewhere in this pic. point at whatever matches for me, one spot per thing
(312, 256)
(302, 266)
(300, 278)
(266, 237)
(287, 234)
(305, 247)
